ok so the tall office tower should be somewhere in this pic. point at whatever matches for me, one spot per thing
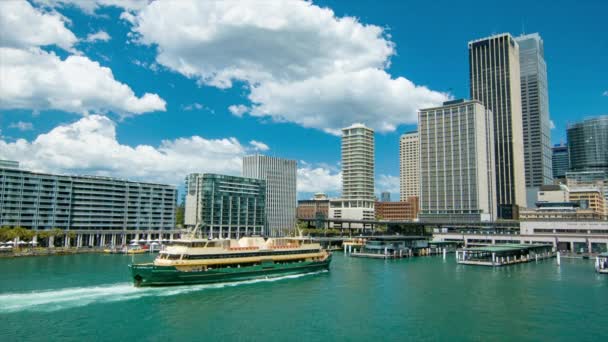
(409, 171)
(225, 206)
(358, 162)
(456, 163)
(280, 177)
(588, 144)
(495, 81)
(535, 114)
(560, 161)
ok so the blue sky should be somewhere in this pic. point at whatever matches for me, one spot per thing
(300, 71)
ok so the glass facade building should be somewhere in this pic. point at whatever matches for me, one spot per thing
(226, 206)
(494, 74)
(535, 110)
(560, 161)
(588, 144)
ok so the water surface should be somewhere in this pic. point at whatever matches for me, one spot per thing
(89, 297)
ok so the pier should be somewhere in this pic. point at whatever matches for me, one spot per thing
(501, 255)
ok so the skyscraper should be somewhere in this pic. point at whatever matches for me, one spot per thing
(358, 162)
(588, 144)
(280, 177)
(535, 114)
(358, 197)
(456, 163)
(409, 171)
(560, 161)
(495, 81)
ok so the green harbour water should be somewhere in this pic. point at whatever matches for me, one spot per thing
(89, 297)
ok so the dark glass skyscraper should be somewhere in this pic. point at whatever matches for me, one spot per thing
(560, 161)
(588, 144)
(495, 81)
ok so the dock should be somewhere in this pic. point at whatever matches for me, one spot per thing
(505, 254)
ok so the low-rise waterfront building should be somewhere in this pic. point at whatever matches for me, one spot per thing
(95, 210)
(226, 206)
(315, 208)
(351, 210)
(579, 236)
(397, 211)
(588, 198)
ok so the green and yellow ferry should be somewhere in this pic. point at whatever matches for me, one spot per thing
(202, 261)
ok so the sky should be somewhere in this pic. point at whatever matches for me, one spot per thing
(153, 91)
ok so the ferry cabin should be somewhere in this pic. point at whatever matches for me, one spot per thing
(506, 254)
(601, 263)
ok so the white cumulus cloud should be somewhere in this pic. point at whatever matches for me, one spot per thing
(238, 110)
(318, 179)
(90, 6)
(260, 146)
(32, 78)
(387, 183)
(98, 36)
(300, 62)
(22, 26)
(90, 146)
(40, 80)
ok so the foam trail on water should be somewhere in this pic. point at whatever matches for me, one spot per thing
(60, 299)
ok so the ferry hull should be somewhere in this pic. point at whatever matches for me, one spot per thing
(151, 275)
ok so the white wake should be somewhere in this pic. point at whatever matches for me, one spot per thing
(60, 299)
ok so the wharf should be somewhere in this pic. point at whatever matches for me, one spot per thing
(502, 255)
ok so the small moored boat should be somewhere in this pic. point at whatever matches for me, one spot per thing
(601, 263)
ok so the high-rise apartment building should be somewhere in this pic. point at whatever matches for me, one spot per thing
(535, 114)
(456, 163)
(225, 206)
(358, 162)
(495, 81)
(588, 144)
(560, 161)
(409, 170)
(358, 197)
(99, 210)
(280, 177)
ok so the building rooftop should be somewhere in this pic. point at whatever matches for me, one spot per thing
(494, 36)
(505, 248)
(356, 125)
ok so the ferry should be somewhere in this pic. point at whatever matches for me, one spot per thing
(202, 261)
